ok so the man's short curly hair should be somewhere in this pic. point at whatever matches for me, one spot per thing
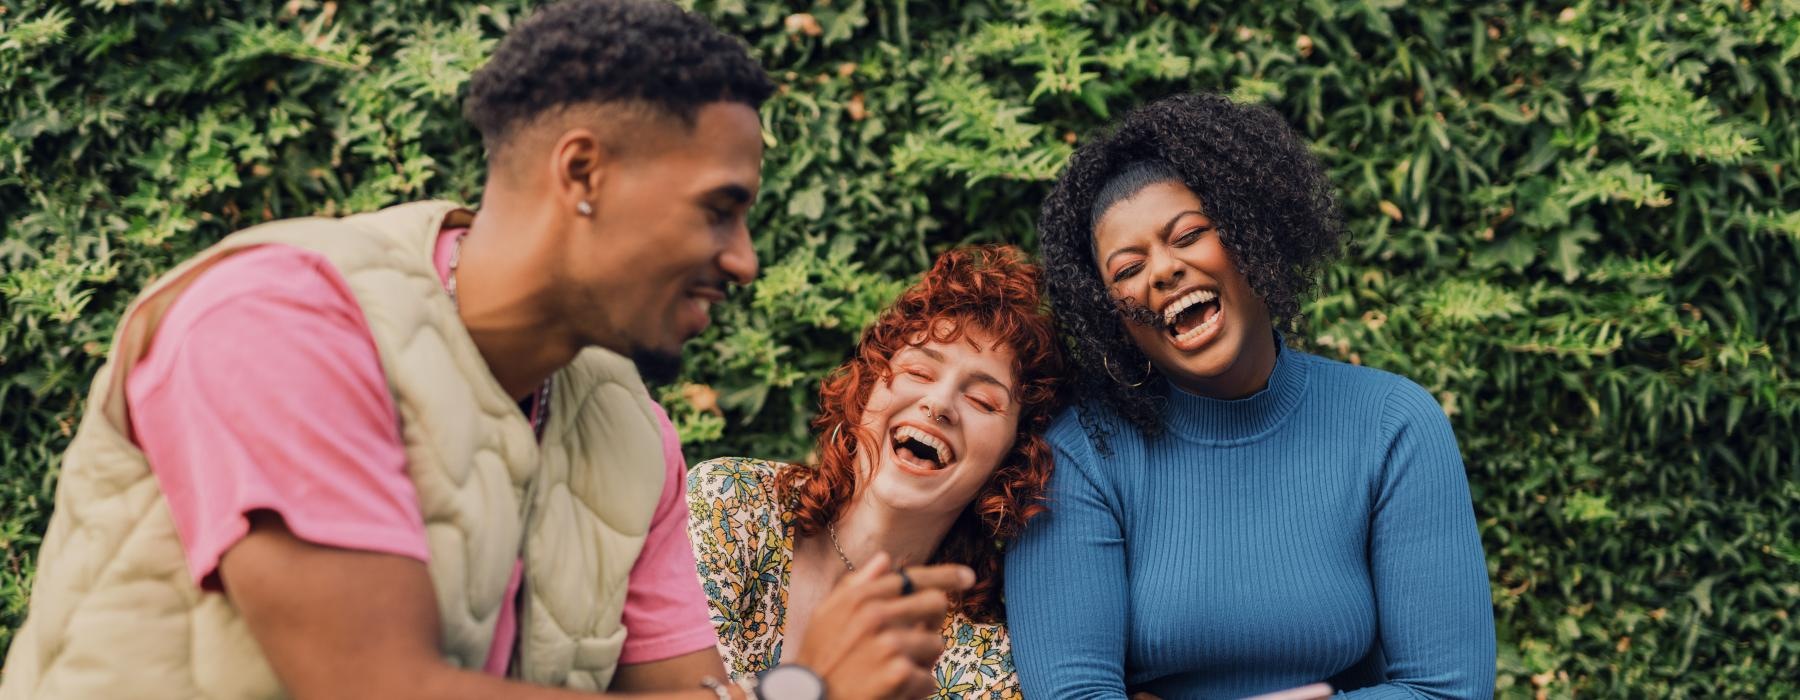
(1270, 197)
(637, 52)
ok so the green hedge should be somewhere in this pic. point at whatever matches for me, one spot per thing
(1578, 225)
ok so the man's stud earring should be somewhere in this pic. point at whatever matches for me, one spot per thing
(584, 209)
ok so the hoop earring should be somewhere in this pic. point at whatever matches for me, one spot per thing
(834, 437)
(1149, 371)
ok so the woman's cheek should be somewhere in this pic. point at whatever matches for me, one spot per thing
(880, 399)
(997, 433)
(1146, 341)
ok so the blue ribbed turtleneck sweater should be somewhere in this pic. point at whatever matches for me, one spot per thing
(1318, 530)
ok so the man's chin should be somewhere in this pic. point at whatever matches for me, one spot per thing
(657, 366)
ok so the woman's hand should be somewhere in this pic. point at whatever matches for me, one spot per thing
(867, 641)
(1316, 691)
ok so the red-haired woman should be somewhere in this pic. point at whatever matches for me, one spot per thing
(930, 449)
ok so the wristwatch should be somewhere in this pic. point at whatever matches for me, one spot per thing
(790, 682)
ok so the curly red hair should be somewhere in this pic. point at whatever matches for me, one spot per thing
(990, 287)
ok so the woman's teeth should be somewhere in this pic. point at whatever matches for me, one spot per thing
(1199, 330)
(942, 454)
(1174, 309)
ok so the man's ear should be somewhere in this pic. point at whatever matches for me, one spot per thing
(579, 162)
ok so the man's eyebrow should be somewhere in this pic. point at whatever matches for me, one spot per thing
(738, 194)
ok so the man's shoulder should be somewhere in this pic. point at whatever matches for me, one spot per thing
(262, 302)
(297, 278)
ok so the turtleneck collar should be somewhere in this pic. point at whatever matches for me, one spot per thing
(1222, 421)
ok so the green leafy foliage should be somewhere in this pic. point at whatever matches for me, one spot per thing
(1576, 224)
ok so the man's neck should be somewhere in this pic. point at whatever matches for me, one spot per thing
(506, 299)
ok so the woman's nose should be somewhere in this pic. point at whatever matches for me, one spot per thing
(937, 411)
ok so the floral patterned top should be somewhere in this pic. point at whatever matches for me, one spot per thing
(744, 547)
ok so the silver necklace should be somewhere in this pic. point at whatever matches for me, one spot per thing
(832, 530)
(540, 398)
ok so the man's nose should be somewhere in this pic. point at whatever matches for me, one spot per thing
(738, 260)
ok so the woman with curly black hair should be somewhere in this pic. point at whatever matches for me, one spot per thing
(1229, 516)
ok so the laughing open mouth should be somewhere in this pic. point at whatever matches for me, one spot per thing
(920, 447)
(1192, 315)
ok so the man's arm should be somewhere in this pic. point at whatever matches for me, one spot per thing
(340, 623)
(685, 671)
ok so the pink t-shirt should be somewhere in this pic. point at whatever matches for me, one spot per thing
(263, 391)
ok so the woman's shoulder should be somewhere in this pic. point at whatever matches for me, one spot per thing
(965, 631)
(734, 489)
(1359, 377)
(1400, 399)
(735, 516)
(1080, 429)
(733, 476)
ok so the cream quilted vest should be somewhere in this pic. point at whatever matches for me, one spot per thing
(113, 612)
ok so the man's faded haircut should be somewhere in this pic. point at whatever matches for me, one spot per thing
(637, 53)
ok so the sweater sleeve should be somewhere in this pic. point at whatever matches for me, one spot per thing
(1066, 592)
(1432, 598)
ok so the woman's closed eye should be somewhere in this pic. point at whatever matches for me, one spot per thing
(1189, 236)
(1182, 240)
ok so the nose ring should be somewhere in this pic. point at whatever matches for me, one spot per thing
(932, 415)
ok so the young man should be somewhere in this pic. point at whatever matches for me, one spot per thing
(402, 454)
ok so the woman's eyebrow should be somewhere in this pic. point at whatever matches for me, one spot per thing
(933, 354)
(990, 379)
(1122, 251)
(1169, 228)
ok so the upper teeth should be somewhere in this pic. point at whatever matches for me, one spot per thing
(908, 432)
(1198, 296)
